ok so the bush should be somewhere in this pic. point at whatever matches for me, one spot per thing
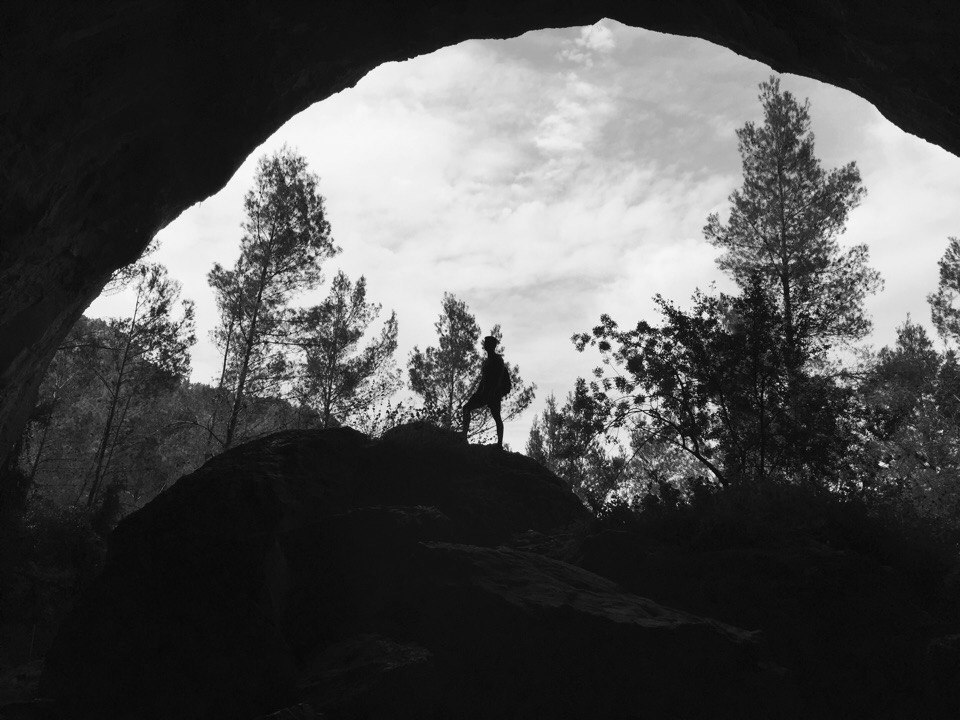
(51, 553)
(790, 516)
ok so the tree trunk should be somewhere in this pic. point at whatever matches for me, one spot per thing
(35, 466)
(247, 352)
(114, 399)
(452, 382)
(102, 447)
(788, 327)
(118, 426)
(219, 391)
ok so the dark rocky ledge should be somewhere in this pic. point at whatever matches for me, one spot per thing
(325, 574)
(368, 579)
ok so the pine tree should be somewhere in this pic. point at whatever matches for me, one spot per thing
(342, 380)
(569, 442)
(286, 238)
(543, 443)
(145, 352)
(737, 382)
(783, 227)
(909, 452)
(943, 303)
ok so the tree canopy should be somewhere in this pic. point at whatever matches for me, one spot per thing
(783, 228)
(743, 383)
(341, 378)
(286, 238)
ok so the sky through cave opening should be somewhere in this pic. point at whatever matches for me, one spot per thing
(556, 176)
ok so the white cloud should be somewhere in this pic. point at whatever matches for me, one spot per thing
(593, 41)
(598, 38)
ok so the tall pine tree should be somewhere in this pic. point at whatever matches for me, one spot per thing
(285, 240)
(783, 227)
(340, 377)
(144, 352)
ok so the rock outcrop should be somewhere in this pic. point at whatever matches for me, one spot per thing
(865, 616)
(328, 572)
(118, 115)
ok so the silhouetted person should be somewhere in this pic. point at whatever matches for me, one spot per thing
(494, 384)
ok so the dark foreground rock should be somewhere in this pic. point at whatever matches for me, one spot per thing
(865, 621)
(329, 573)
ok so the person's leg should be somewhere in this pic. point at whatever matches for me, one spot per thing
(472, 404)
(498, 421)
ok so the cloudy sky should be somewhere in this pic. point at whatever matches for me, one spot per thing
(550, 178)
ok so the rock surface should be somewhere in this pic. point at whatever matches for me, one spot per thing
(118, 115)
(366, 579)
(861, 627)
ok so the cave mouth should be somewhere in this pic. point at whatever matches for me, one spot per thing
(155, 92)
(116, 90)
(551, 177)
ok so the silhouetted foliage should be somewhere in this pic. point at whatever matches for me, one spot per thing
(712, 383)
(344, 382)
(117, 420)
(139, 357)
(545, 443)
(285, 240)
(910, 455)
(569, 441)
(743, 384)
(783, 228)
(943, 310)
(104, 408)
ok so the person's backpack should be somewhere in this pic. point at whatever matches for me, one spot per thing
(504, 385)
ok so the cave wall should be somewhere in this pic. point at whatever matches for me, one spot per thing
(117, 115)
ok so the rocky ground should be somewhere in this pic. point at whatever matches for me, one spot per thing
(324, 574)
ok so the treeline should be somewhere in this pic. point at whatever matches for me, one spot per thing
(763, 386)
(768, 386)
(118, 419)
